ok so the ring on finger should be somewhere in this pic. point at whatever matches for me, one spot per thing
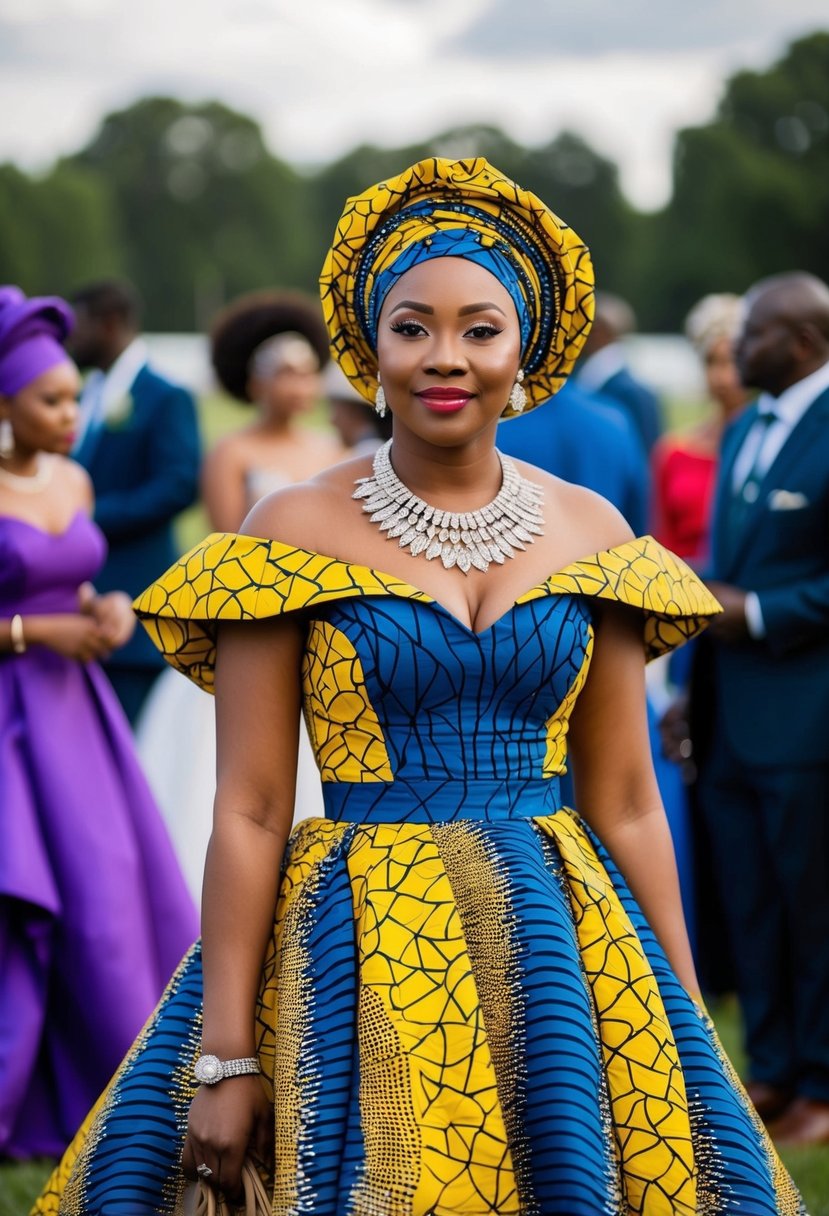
(204, 1170)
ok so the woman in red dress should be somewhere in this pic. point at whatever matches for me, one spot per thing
(684, 477)
(685, 464)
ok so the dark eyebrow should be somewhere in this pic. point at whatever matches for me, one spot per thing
(414, 306)
(487, 304)
(462, 312)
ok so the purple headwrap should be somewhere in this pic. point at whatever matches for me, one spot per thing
(32, 333)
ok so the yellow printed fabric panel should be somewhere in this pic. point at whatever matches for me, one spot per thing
(228, 577)
(555, 758)
(481, 889)
(425, 1060)
(645, 1079)
(232, 578)
(455, 1019)
(344, 729)
(292, 1003)
(644, 575)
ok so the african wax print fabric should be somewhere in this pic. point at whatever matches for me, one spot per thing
(462, 1010)
(464, 208)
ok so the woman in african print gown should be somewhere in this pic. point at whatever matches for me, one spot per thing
(469, 1000)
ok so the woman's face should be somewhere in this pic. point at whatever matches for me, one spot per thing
(722, 377)
(294, 389)
(44, 414)
(449, 350)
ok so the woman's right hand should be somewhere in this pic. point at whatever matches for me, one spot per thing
(225, 1121)
(73, 635)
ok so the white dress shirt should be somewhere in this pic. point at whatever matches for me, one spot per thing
(104, 392)
(761, 447)
(762, 443)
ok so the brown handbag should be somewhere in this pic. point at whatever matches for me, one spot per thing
(201, 1199)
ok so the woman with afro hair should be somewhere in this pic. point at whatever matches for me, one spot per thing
(267, 349)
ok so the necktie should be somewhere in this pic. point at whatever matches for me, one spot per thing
(745, 494)
(749, 489)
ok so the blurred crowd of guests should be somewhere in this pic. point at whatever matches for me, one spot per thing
(738, 722)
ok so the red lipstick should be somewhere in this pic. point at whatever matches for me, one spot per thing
(444, 400)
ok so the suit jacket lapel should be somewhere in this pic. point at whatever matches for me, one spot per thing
(86, 453)
(722, 542)
(89, 444)
(797, 443)
(800, 437)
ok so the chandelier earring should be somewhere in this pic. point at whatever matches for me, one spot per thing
(517, 397)
(6, 439)
(380, 406)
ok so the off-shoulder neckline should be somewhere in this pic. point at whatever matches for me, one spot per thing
(395, 585)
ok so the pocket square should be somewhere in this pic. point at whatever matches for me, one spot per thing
(787, 500)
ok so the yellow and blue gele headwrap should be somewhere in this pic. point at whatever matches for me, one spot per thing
(443, 208)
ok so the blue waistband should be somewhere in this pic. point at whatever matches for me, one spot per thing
(441, 801)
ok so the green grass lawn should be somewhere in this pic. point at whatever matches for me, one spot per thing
(19, 1184)
(218, 415)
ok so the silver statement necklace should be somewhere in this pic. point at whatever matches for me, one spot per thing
(464, 539)
(29, 485)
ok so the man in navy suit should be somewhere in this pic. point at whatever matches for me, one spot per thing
(139, 441)
(603, 368)
(764, 771)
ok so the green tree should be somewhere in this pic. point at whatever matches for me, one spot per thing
(751, 189)
(188, 202)
(205, 211)
(19, 243)
(57, 229)
(583, 187)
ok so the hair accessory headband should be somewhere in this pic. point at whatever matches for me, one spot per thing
(283, 350)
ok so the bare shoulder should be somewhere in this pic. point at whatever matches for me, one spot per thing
(74, 483)
(310, 513)
(579, 520)
(229, 450)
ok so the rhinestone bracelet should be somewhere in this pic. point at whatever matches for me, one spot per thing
(18, 637)
(209, 1070)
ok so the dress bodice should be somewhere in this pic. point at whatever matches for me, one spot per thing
(40, 572)
(407, 707)
(412, 715)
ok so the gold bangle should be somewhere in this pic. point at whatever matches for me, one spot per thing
(17, 635)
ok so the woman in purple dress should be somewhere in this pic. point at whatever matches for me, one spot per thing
(94, 913)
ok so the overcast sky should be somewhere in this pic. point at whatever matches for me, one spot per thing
(324, 75)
